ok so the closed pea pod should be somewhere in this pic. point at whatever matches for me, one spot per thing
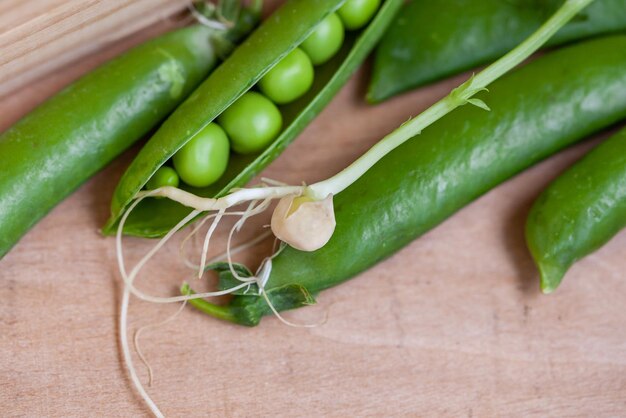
(579, 212)
(279, 35)
(430, 40)
(425, 180)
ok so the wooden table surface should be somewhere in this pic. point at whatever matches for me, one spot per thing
(452, 325)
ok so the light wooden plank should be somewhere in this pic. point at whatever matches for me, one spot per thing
(40, 43)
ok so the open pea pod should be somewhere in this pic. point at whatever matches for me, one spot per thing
(274, 39)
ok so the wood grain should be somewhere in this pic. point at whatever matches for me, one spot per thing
(38, 37)
(452, 325)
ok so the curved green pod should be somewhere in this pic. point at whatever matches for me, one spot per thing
(430, 40)
(70, 137)
(537, 110)
(274, 39)
(579, 212)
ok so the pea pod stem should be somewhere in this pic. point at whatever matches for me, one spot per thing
(204, 20)
(458, 97)
(215, 17)
(217, 311)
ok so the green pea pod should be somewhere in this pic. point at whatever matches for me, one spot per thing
(63, 142)
(273, 40)
(579, 212)
(430, 40)
(537, 110)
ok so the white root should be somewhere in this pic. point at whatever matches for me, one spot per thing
(207, 240)
(240, 248)
(264, 195)
(139, 331)
(221, 257)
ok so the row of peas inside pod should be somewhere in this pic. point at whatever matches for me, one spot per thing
(251, 123)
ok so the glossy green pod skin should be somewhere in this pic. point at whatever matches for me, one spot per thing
(536, 111)
(54, 149)
(430, 40)
(579, 212)
(278, 35)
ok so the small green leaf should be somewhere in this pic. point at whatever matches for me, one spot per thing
(228, 281)
(249, 309)
(222, 266)
(479, 103)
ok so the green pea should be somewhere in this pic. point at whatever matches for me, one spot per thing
(164, 176)
(325, 41)
(252, 123)
(203, 160)
(356, 13)
(289, 79)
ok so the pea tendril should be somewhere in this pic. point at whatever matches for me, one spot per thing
(458, 97)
